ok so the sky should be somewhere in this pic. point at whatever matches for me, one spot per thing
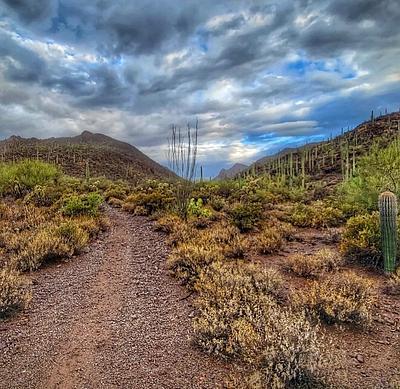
(257, 75)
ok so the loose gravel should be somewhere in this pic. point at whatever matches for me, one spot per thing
(109, 318)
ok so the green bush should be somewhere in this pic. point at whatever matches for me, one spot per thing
(361, 239)
(86, 204)
(245, 216)
(377, 171)
(317, 215)
(19, 178)
(196, 208)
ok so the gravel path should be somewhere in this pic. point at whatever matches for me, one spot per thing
(110, 318)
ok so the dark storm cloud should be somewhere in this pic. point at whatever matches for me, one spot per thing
(270, 72)
(28, 10)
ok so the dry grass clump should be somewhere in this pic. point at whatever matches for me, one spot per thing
(324, 260)
(267, 241)
(168, 223)
(188, 259)
(227, 237)
(240, 319)
(340, 298)
(14, 292)
(51, 242)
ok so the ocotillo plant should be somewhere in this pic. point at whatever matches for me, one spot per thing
(388, 221)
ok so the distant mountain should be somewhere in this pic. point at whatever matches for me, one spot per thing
(334, 157)
(106, 156)
(231, 172)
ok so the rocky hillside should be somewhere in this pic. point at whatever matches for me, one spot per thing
(335, 157)
(231, 172)
(103, 155)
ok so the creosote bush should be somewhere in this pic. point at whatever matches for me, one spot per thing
(245, 216)
(239, 319)
(14, 292)
(86, 204)
(361, 239)
(19, 178)
(324, 260)
(317, 215)
(339, 298)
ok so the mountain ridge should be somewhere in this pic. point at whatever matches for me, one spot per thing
(105, 156)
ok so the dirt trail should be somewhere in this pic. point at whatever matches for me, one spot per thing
(110, 318)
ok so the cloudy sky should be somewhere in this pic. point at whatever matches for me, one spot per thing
(258, 75)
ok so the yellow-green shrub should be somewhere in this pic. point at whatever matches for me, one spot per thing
(340, 298)
(324, 260)
(72, 235)
(86, 204)
(317, 215)
(14, 292)
(361, 239)
(245, 216)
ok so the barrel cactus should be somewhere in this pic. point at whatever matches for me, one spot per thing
(388, 220)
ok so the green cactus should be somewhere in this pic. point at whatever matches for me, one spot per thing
(388, 220)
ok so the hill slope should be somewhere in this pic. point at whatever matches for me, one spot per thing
(104, 155)
(335, 157)
(231, 172)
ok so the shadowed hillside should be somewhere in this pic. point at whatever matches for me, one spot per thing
(333, 158)
(100, 154)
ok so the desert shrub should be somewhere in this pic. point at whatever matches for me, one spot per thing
(14, 292)
(245, 216)
(188, 259)
(72, 235)
(340, 298)
(18, 178)
(317, 215)
(217, 203)
(43, 196)
(168, 223)
(44, 245)
(324, 260)
(85, 204)
(240, 320)
(227, 238)
(115, 192)
(268, 241)
(149, 202)
(92, 225)
(361, 239)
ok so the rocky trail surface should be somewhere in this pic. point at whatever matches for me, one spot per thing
(108, 318)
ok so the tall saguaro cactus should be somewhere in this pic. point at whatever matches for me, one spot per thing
(388, 220)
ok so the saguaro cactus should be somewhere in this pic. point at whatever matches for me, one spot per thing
(388, 220)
